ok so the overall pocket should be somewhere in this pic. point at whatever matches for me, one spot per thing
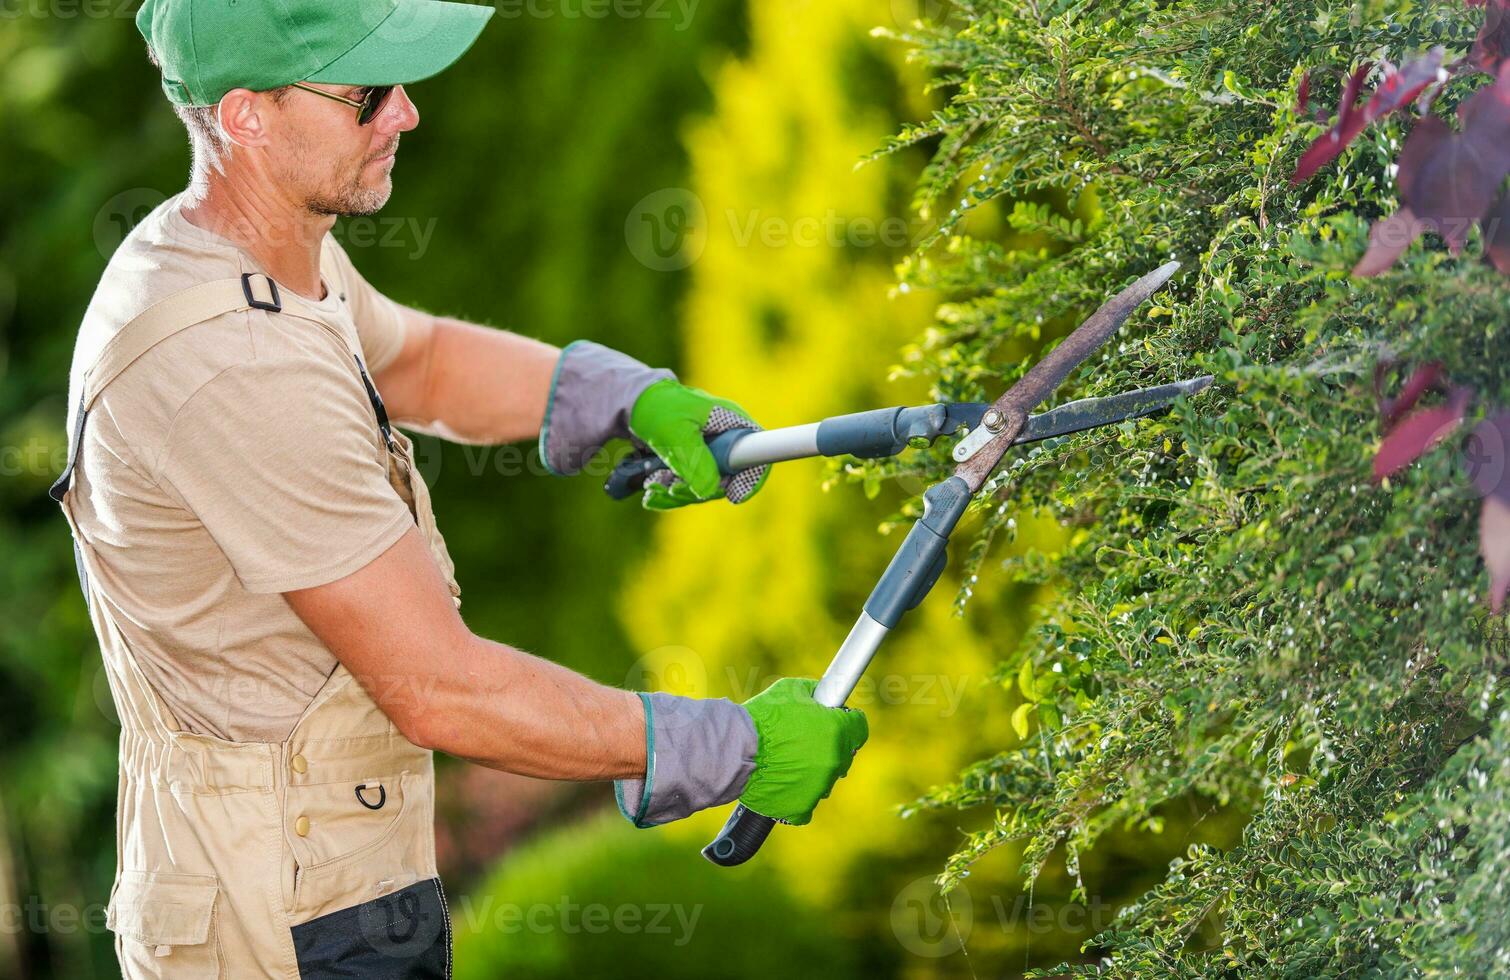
(340, 820)
(165, 926)
(367, 867)
(402, 936)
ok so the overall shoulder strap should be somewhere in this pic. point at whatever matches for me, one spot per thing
(184, 309)
(166, 318)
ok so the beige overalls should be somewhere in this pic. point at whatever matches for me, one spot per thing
(312, 857)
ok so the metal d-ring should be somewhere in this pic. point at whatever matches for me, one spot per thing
(382, 796)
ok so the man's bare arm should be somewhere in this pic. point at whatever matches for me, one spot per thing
(468, 383)
(394, 626)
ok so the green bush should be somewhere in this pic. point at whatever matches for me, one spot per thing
(1245, 619)
(602, 899)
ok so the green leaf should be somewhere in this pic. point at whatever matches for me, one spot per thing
(1021, 718)
(1025, 682)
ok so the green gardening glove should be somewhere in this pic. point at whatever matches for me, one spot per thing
(804, 749)
(675, 421)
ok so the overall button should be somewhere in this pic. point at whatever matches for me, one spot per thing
(299, 765)
(301, 826)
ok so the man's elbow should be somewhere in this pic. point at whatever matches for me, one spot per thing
(429, 706)
(419, 728)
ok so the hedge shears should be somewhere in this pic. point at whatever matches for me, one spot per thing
(989, 430)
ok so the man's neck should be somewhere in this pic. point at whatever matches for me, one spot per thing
(282, 235)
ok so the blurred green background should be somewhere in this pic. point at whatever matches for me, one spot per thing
(679, 181)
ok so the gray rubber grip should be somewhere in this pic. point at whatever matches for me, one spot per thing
(887, 431)
(741, 837)
(628, 478)
(918, 563)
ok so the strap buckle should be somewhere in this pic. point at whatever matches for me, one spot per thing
(273, 306)
(382, 795)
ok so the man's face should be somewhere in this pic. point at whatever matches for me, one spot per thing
(325, 157)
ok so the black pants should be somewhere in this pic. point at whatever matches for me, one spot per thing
(403, 936)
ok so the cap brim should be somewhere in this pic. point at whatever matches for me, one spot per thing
(420, 38)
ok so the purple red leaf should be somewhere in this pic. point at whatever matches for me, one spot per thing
(1494, 545)
(1486, 124)
(1330, 144)
(1303, 94)
(1418, 432)
(1448, 180)
(1387, 240)
(1485, 456)
(1496, 225)
(1493, 43)
(1427, 377)
(1401, 86)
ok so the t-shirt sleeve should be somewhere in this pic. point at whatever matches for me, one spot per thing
(283, 464)
(379, 320)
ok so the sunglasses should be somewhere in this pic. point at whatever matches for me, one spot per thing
(367, 109)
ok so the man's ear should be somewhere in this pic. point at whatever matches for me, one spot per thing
(243, 117)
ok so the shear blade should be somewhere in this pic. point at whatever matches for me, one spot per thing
(1092, 413)
(981, 451)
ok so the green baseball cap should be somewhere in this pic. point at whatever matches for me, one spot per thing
(208, 47)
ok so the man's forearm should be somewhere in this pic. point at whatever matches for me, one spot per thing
(445, 688)
(509, 710)
(448, 689)
(468, 383)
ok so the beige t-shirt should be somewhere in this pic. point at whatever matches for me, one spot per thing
(234, 461)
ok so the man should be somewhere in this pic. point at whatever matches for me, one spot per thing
(260, 559)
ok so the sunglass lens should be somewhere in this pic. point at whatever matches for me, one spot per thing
(376, 99)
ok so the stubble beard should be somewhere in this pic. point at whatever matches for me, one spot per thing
(354, 199)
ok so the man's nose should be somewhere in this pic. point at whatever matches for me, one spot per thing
(400, 114)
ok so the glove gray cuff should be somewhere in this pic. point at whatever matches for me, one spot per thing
(698, 753)
(591, 395)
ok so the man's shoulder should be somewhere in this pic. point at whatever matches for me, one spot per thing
(161, 257)
(162, 254)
